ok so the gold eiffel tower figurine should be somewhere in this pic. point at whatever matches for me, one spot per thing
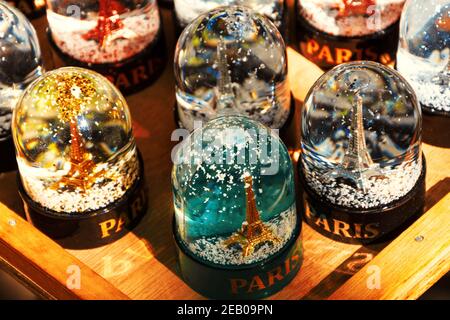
(253, 231)
(73, 91)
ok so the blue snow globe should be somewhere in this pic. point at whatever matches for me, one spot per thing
(20, 64)
(235, 208)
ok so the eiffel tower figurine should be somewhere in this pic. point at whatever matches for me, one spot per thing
(224, 90)
(357, 164)
(253, 231)
(443, 77)
(109, 26)
(72, 93)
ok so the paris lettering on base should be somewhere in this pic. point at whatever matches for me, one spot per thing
(255, 281)
(328, 51)
(129, 76)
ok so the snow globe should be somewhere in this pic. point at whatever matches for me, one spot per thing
(20, 64)
(332, 32)
(187, 10)
(235, 210)
(423, 56)
(361, 164)
(232, 60)
(123, 40)
(81, 176)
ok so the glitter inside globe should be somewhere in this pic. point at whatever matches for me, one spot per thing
(74, 143)
(20, 61)
(234, 192)
(231, 60)
(361, 136)
(188, 10)
(103, 31)
(423, 56)
(350, 18)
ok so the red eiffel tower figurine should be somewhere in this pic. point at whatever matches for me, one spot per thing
(354, 7)
(253, 232)
(109, 25)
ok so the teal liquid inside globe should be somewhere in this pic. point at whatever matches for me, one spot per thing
(210, 195)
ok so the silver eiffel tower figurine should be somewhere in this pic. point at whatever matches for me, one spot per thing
(443, 77)
(224, 90)
(357, 164)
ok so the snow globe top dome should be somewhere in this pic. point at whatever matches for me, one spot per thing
(20, 63)
(231, 59)
(188, 10)
(361, 136)
(423, 56)
(103, 31)
(74, 144)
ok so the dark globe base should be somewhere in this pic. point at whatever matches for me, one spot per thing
(7, 154)
(434, 112)
(328, 51)
(255, 281)
(90, 229)
(362, 226)
(130, 75)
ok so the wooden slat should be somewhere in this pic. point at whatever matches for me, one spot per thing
(410, 264)
(46, 264)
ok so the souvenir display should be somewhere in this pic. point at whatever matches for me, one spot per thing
(123, 40)
(81, 176)
(361, 163)
(423, 56)
(235, 210)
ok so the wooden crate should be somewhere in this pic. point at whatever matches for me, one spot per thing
(142, 265)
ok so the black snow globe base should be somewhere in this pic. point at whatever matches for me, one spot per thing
(130, 75)
(7, 154)
(434, 112)
(255, 281)
(94, 228)
(328, 51)
(362, 226)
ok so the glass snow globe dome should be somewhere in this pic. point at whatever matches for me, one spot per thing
(349, 18)
(361, 136)
(188, 10)
(103, 31)
(20, 61)
(234, 194)
(423, 56)
(74, 144)
(231, 60)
